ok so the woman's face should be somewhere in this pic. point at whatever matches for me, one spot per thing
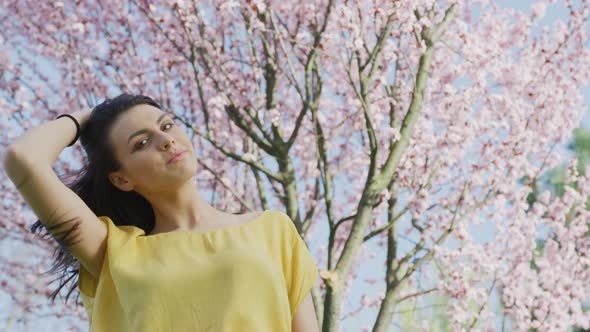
(145, 138)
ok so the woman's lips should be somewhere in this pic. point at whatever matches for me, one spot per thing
(177, 156)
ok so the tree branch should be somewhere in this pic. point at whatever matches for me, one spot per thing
(254, 164)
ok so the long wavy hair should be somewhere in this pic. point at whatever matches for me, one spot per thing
(91, 183)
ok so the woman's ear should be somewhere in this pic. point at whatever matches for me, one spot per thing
(120, 182)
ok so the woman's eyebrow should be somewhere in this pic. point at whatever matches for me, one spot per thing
(141, 131)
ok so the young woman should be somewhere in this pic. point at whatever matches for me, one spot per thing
(150, 252)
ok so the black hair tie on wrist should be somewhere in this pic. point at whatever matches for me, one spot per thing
(77, 127)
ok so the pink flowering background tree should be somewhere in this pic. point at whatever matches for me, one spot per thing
(415, 127)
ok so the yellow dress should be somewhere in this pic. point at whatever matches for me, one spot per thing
(245, 277)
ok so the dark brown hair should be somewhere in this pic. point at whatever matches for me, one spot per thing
(91, 183)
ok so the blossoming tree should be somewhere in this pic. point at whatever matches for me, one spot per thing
(405, 124)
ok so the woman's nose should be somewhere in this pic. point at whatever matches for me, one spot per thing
(167, 142)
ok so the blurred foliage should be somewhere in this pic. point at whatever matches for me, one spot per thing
(555, 181)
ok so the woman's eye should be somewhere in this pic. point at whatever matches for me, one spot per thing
(139, 145)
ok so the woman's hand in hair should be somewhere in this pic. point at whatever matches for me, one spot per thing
(82, 117)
